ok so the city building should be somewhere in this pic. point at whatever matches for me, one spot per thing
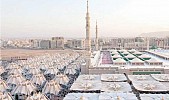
(35, 43)
(57, 43)
(76, 44)
(45, 44)
(138, 43)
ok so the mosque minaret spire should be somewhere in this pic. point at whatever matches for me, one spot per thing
(97, 45)
(88, 39)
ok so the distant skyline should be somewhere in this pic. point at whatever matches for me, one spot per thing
(116, 18)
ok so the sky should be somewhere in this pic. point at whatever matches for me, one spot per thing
(116, 18)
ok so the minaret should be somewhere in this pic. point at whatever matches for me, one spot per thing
(148, 43)
(97, 45)
(88, 41)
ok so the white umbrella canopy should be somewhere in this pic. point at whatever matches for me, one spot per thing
(27, 66)
(82, 60)
(117, 96)
(51, 87)
(137, 60)
(11, 66)
(132, 50)
(51, 70)
(70, 71)
(26, 87)
(65, 63)
(122, 50)
(38, 79)
(125, 52)
(153, 60)
(116, 56)
(15, 70)
(76, 65)
(118, 60)
(5, 96)
(43, 66)
(36, 96)
(61, 79)
(59, 66)
(83, 98)
(137, 52)
(3, 86)
(144, 56)
(34, 70)
(55, 60)
(21, 62)
(2, 70)
(15, 79)
(77, 62)
(130, 56)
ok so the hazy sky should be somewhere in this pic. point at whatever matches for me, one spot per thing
(46, 18)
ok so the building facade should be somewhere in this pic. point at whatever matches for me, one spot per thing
(57, 43)
(76, 44)
(45, 44)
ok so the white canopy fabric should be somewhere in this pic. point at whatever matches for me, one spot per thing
(15, 70)
(119, 60)
(15, 79)
(21, 62)
(161, 77)
(113, 77)
(86, 85)
(130, 56)
(132, 50)
(38, 79)
(1, 70)
(3, 86)
(137, 52)
(152, 60)
(125, 52)
(144, 56)
(115, 87)
(38, 96)
(136, 60)
(25, 87)
(48, 62)
(51, 87)
(154, 96)
(140, 78)
(5, 96)
(88, 78)
(70, 71)
(122, 50)
(43, 66)
(27, 66)
(166, 84)
(116, 56)
(82, 96)
(61, 79)
(75, 66)
(11, 66)
(34, 70)
(117, 96)
(59, 66)
(113, 52)
(149, 86)
(51, 70)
